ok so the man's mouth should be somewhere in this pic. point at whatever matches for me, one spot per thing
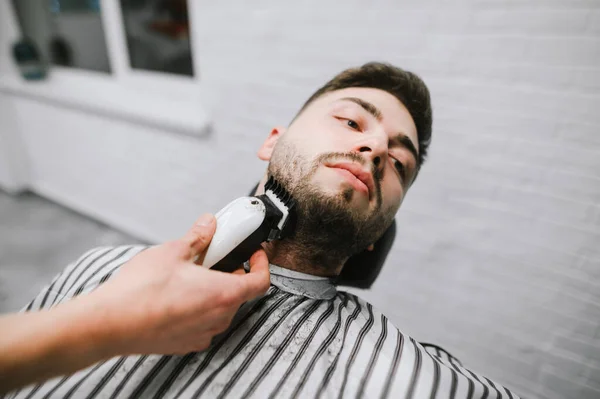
(365, 179)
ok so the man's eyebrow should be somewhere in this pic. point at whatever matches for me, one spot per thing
(402, 140)
(370, 108)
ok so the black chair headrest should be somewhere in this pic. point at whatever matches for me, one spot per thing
(362, 269)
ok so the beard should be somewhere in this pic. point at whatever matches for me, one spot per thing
(328, 229)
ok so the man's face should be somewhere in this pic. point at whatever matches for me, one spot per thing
(350, 152)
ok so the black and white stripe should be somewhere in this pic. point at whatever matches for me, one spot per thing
(242, 344)
(304, 347)
(351, 318)
(269, 365)
(258, 347)
(357, 344)
(394, 366)
(281, 345)
(117, 392)
(181, 366)
(321, 349)
(370, 366)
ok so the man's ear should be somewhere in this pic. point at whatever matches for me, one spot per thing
(266, 149)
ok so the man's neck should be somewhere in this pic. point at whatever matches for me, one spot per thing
(290, 255)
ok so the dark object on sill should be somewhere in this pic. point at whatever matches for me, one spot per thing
(28, 59)
(60, 52)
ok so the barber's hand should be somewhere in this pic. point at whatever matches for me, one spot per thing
(161, 302)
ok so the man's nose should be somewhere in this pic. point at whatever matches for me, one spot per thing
(374, 147)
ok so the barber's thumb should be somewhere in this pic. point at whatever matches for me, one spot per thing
(199, 236)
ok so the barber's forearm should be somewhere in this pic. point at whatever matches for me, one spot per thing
(39, 345)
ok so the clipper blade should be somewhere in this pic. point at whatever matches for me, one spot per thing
(282, 194)
(284, 201)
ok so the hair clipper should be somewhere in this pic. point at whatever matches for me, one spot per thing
(247, 222)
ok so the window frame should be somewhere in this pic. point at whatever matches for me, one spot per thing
(169, 101)
(119, 53)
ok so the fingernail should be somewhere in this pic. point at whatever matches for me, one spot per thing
(204, 220)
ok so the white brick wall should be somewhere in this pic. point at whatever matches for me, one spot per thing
(498, 252)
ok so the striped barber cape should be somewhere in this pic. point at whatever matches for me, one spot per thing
(302, 339)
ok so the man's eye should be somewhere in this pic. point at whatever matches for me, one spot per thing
(353, 124)
(400, 168)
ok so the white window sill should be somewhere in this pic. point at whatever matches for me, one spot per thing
(104, 95)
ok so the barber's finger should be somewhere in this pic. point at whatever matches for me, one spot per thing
(258, 280)
(199, 236)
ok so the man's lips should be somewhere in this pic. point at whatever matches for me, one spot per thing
(365, 177)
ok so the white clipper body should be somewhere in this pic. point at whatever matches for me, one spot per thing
(238, 220)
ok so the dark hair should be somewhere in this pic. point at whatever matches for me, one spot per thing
(404, 85)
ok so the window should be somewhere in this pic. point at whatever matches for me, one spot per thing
(158, 35)
(66, 32)
(130, 58)
(71, 33)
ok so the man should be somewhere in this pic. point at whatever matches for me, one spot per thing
(348, 158)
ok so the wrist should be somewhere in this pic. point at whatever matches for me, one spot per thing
(87, 325)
